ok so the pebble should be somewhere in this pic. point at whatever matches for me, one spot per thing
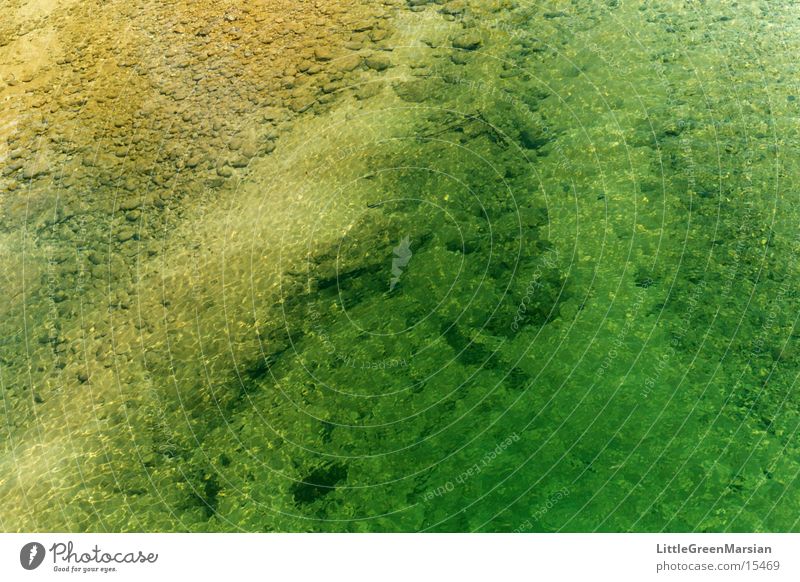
(301, 103)
(363, 25)
(271, 114)
(348, 63)
(250, 148)
(130, 203)
(35, 169)
(412, 91)
(331, 87)
(377, 62)
(468, 41)
(125, 234)
(453, 8)
(323, 54)
(367, 90)
(378, 34)
(194, 161)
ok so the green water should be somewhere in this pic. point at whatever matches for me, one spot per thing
(589, 327)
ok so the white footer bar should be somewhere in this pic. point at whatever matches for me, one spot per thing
(401, 557)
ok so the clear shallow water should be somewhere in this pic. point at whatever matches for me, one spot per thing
(538, 274)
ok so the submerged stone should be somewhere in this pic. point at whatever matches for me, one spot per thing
(469, 41)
